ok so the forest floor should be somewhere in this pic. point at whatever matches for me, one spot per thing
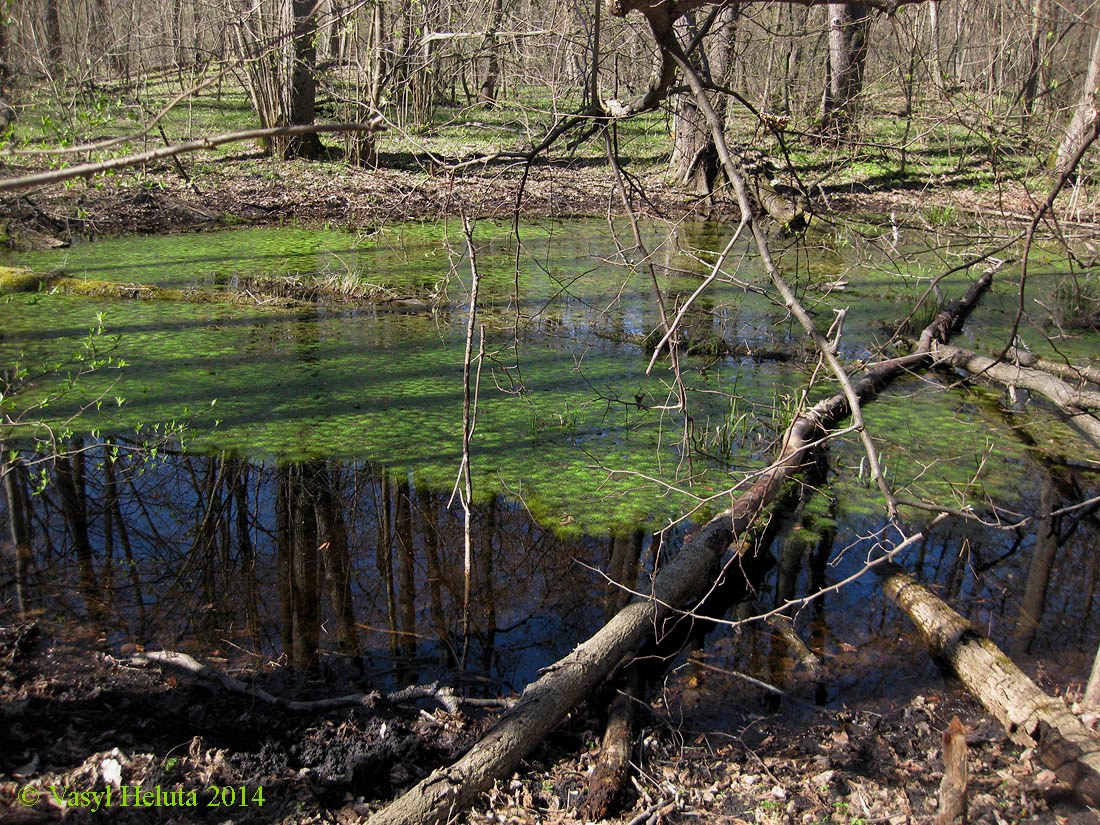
(80, 719)
(250, 189)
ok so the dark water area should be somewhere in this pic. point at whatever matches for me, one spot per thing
(300, 506)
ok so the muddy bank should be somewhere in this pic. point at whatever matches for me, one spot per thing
(80, 717)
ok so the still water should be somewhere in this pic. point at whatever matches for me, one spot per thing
(302, 499)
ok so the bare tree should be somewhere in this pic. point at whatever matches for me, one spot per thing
(1085, 115)
(849, 30)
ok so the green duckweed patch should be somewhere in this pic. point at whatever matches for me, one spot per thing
(569, 422)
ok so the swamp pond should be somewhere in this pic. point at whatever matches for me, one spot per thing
(299, 501)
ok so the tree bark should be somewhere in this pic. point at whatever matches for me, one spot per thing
(246, 554)
(1030, 717)
(613, 764)
(1092, 689)
(53, 39)
(1038, 572)
(488, 91)
(849, 27)
(333, 535)
(694, 157)
(20, 533)
(1035, 42)
(303, 90)
(305, 583)
(384, 559)
(406, 572)
(111, 494)
(953, 786)
(1085, 115)
(1078, 373)
(70, 484)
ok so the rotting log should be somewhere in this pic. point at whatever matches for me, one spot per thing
(613, 763)
(953, 785)
(682, 581)
(1030, 717)
(1073, 402)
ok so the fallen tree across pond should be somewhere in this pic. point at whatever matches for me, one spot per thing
(685, 579)
(1074, 403)
(1029, 716)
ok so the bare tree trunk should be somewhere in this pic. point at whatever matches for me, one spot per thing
(626, 551)
(1084, 117)
(112, 504)
(333, 535)
(246, 555)
(336, 33)
(284, 556)
(5, 71)
(1038, 573)
(487, 595)
(406, 573)
(303, 90)
(100, 37)
(488, 90)
(694, 157)
(849, 27)
(384, 559)
(431, 550)
(305, 583)
(53, 39)
(177, 33)
(934, 40)
(1031, 80)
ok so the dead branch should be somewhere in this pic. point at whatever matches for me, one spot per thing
(1068, 372)
(86, 170)
(181, 661)
(613, 764)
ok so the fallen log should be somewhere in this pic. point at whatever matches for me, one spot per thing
(1073, 402)
(545, 702)
(1030, 717)
(606, 783)
(1068, 372)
